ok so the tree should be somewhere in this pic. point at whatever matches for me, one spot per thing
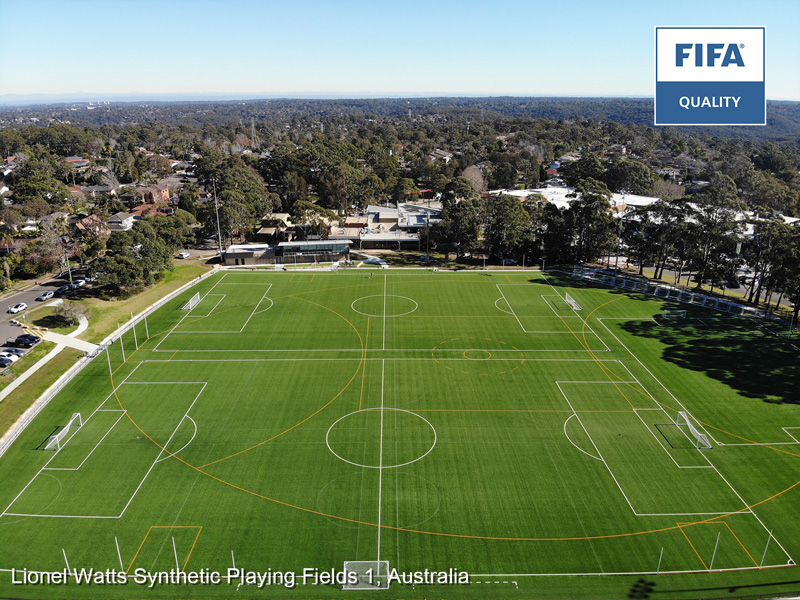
(718, 228)
(72, 312)
(629, 176)
(586, 167)
(36, 208)
(594, 225)
(460, 225)
(509, 230)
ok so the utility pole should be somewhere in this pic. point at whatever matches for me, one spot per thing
(216, 209)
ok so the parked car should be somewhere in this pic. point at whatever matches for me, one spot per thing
(62, 290)
(16, 351)
(17, 308)
(80, 282)
(183, 255)
(26, 340)
(4, 362)
(10, 356)
(44, 296)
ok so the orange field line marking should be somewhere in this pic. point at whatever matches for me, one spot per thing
(680, 526)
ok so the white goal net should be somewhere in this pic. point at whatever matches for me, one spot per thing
(54, 443)
(366, 575)
(572, 302)
(193, 301)
(701, 439)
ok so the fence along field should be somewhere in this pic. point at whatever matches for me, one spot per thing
(506, 426)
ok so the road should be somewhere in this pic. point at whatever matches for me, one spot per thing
(28, 296)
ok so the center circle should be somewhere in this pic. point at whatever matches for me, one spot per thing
(381, 305)
(477, 354)
(381, 438)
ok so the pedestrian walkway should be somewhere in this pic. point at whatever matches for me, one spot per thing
(82, 325)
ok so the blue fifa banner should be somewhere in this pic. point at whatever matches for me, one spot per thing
(710, 76)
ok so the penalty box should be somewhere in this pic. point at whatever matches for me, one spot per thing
(647, 474)
(548, 313)
(226, 308)
(101, 468)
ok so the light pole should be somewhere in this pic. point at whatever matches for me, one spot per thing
(542, 265)
(619, 242)
(216, 209)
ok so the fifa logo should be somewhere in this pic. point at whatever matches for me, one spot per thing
(710, 76)
(732, 55)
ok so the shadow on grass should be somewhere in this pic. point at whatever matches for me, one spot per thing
(52, 322)
(752, 356)
(749, 356)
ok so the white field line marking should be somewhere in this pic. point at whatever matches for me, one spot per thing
(558, 383)
(119, 555)
(174, 431)
(576, 445)
(385, 278)
(703, 454)
(93, 449)
(56, 453)
(255, 308)
(663, 446)
(186, 445)
(580, 318)
(733, 570)
(600, 454)
(221, 298)
(513, 312)
(140, 484)
(175, 552)
(380, 459)
(64, 552)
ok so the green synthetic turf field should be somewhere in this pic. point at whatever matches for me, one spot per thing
(449, 422)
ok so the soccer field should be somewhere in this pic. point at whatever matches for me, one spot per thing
(452, 435)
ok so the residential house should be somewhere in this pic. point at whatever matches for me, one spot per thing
(121, 221)
(92, 223)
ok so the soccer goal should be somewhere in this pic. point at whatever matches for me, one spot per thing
(193, 301)
(54, 443)
(572, 302)
(366, 575)
(701, 440)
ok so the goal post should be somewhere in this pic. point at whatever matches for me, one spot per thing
(54, 443)
(193, 301)
(701, 439)
(366, 575)
(573, 304)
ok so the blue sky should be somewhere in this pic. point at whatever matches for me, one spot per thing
(366, 48)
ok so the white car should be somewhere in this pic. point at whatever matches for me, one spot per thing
(9, 356)
(17, 308)
(183, 255)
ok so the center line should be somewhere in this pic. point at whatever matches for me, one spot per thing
(380, 463)
(384, 312)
